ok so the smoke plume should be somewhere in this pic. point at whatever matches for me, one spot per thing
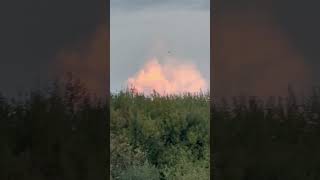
(171, 77)
(89, 62)
(253, 56)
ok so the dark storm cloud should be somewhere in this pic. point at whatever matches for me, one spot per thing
(33, 31)
(130, 5)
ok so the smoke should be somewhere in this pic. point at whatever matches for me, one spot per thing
(254, 56)
(33, 32)
(89, 62)
(171, 77)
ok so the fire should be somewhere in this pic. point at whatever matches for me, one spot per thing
(172, 77)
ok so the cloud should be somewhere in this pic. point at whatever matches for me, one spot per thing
(254, 56)
(89, 63)
(295, 19)
(137, 5)
(32, 33)
(172, 77)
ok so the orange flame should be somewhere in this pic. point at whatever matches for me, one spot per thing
(173, 77)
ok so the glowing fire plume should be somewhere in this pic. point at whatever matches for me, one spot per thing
(173, 77)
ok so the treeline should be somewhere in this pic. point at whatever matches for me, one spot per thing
(159, 137)
(270, 139)
(61, 134)
(55, 134)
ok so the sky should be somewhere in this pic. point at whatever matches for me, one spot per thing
(144, 30)
(260, 47)
(44, 39)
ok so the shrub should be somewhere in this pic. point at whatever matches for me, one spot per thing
(144, 172)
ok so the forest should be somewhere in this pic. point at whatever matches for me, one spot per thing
(275, 138)
(61, 132)
(55, 133)
(159, 137)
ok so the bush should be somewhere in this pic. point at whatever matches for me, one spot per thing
(267, 139)
(144, 172)
(166, 129)
(186, 167)
(55, 134)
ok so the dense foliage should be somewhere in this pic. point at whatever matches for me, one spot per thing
(272, 139)
(159, 137)
(57, 134)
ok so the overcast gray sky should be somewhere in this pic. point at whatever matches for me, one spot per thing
(147, 28)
